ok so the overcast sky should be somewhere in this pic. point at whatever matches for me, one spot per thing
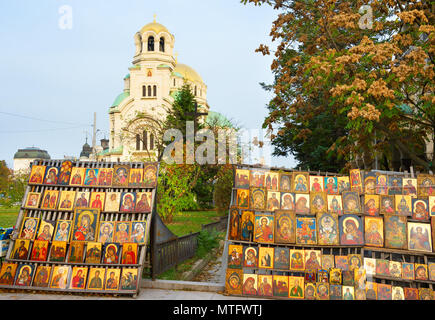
(63, 76)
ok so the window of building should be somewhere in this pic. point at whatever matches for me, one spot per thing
(137, 142)
(174, 82)
(149, 91)
(154, 91)
(162, 44)
(144, 141)
(151, 142)
(150, 43)
(144, 91)
(195, 91)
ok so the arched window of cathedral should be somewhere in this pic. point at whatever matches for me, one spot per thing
(150, 43)
(174, 82)
(151, 142)
(162, 44)
(144, 91)
(149, 91)
(144, 140)
(137, 142)
(154, 91)
(195, 91)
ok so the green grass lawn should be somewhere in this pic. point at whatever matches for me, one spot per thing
(8, 216)
(191, 221)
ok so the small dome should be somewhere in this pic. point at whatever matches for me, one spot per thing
(187, 73)
(31, 153)
(154, 26)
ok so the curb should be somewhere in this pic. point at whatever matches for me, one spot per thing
(182, 285)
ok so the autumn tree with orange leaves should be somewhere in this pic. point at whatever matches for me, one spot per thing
(370, 63)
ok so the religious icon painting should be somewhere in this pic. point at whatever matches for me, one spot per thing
(85, 224)
(136, 177)
(284, 227)
(235, 256)
(37, 174)
(66, 200)
(49, 200)
(310, 276)
(78, 278)
(335, 204)
(425, 294)
(285, 180)
(335, 276)
(313, 259)
(112, 279)
(250, 257)
(91, 175)
(257, 178)
(341, 262)
(323, 275)
(234, 228)
(263, 229)
(106, 231)
(39, 250)
(384, 291)
(351, 230)
(97, 200)
(138, 232)
(128, 202)
(120, 175)
(300, 182)
(258, 198)
(419, 237)
(395, 232)
(370, 182)
(302, 204)
(408, 272)
(387, 205)
(409, 187)
(57, 251)
(395, 269)
(242, 199)
(122, 231)
(7, 273)
(288, 201)
(280, 286)
(381, 184)
(420, 209)
(281, 258)
(105, 176)
(322, 291)
(348, 277)
(51, 174)
(411, 293)
(394, 185)
(46, 229)
(343, 184)
(306, 230)
(265, 285)
(249, 284)
(77, 176)
(355, 180)
(63, 230)
(335, 292)
(310, 291)
(351, 202)
(331, 185)
(431, 206)
(42, 276)
(370, 266)
(318, 202)
(20, 250)
(371, 204)
(273, 200)
(96, 278)
(374, 231)
(82, 199)
(431, 270)
(111, 253)
(112, 201)
(382, 267)
(234, 281)
(360, 294)
(296, 287)
(426, 185)
(33, 199)
(76, 251)
(93, 252)
(265, 258)
(371, 290)
(129, 253)
(241, 179)
(421, 272)
(327, 229)
(297, 262)
(246, 225)
(60, 277)
(129, 279)
(65, 173)
(397, 293)
(354, 261)
(403, 205)
(150, 175)
(144, 202)
(316, 184)
(327, 261)
(28, 228)
(271, 180)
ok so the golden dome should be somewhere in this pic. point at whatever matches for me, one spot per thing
(154, 26)
(188, 73)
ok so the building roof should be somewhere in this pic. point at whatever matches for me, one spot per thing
(154, 26)
(31, 153)
(119, 98)
(187, 73)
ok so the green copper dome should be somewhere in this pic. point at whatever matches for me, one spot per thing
(119, 98)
